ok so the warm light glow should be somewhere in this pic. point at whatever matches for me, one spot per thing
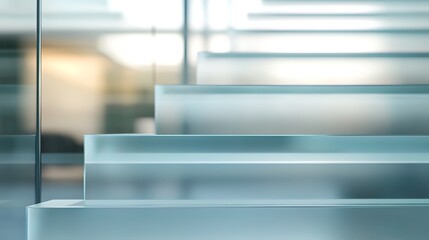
(138, 50)
(333, 71)
(218, 17)
(220, 43)
(164, 14)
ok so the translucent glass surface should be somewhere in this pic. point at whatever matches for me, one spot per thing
(17, 114)
(312, 68)
(255, 167)
(373, 110)
(16, 184)
(338, 7)
(323, 42)
(337, 22)
(313, 14)
(329, 15)
(229, 220)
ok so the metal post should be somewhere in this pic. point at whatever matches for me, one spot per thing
(38, 148)
(185, 70)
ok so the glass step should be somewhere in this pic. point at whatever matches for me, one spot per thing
(329, 15)
(324, 42)
(351, 22)
(229, 220)
(347, 110)
(312, 68)
(335, 6)
(255, 167)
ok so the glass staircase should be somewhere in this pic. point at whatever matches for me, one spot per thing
(274, 141)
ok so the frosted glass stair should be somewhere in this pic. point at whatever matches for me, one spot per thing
(229, 220)
(335, 22)
(346, 110)
(328, 42)
(344, 152)
(330, 15)
(312, 68)
(342, 7)
(255, 167)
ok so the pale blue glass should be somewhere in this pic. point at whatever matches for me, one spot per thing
(255, 167)
(229, 220)
(355, 110)
(16, 183)
(312, 68)
(17, 115)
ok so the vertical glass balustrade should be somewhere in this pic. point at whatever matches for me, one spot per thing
(17, 115)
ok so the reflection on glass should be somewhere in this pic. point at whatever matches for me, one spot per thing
(212, 220)
(255, 167)
(312, 69)
(362, 110)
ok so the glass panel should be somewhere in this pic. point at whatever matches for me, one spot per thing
(362, 110)
(255, 167)
(312, 68)
(17, 114)
(250, 220)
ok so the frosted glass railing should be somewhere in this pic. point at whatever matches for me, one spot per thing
(229, 220)
(366, 110)
(16, 179)
(255, 167)
(16, 176)
(313, 68)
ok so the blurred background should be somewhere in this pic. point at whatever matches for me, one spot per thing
(102, 58)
